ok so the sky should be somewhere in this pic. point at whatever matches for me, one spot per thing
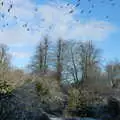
(28, 21)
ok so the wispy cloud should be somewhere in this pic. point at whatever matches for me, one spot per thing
(52, 20)
(20, 54)
(18, 36)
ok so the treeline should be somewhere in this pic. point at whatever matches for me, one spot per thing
(74, 61)
(71, 61)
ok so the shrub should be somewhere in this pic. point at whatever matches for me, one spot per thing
(41, 90)
(5, 88)
(48, 90)
(80, 99)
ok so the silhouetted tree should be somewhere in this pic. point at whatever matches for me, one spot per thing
(59, 63)
(39, 60)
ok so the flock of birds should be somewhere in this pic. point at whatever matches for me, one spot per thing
(111, 2)
(68, 5)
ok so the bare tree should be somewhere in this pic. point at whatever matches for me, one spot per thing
(81, 60)
(71, 61)
(4, 67)
(89, 57)
(45, 53)
(4, 57)
(39, 61)
(59, 58)
(113, 69)
(75, 71)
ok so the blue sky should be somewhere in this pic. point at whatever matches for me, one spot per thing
(92, 20)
